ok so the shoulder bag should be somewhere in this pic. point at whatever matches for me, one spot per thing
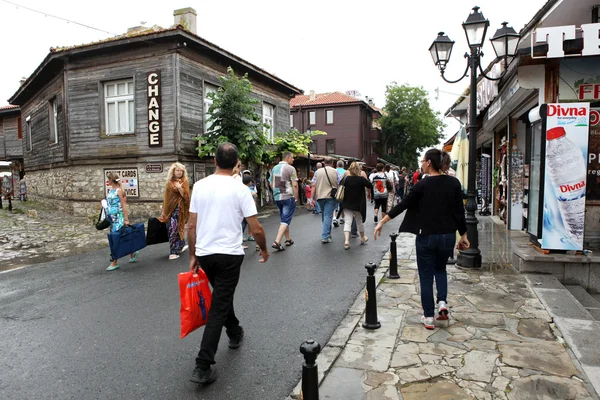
(339, 196)
(333, 189)
(102, 223)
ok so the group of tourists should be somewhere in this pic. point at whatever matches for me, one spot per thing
(226, 199)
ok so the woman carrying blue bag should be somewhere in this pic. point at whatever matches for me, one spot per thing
(117, 213)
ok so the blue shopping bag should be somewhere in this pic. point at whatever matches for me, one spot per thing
(127, 240)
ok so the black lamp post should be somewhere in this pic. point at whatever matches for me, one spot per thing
(505, 45)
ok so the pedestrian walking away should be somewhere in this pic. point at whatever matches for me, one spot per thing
(219, 200)
(338, 219)
(284, 182)
(380, 183)
(355, 203)
(117, 212)
(176, 208)
(435, 211)
(326, 185)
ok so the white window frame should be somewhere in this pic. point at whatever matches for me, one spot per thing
(291, 120)
(327, 117)
(207, 102)
(53, 113)
(269, 120)
(116, 99)
(312, 118)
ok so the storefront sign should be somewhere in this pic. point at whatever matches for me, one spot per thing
(154, 168)
(579, 80)
(488, 90)
(555, 36)
(129, 180)
(154, 109)
(565, 170)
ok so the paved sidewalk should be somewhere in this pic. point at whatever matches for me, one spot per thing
(500, 343)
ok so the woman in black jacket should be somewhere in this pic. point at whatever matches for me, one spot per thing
(435, 211)
(354, 203)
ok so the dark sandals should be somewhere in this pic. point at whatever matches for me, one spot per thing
(289, 242)
(278, 246)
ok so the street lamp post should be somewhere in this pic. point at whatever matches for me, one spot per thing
(505, 43)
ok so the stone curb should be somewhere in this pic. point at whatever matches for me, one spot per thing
(340, 337)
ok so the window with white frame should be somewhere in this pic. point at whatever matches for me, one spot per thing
(329, 115)
(53, 117)
(28, 133)
(119, 107)
(269, 119)
(291, 120)
(312, 117)
(208, 88)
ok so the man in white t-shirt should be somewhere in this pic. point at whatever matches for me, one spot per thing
(219, 204)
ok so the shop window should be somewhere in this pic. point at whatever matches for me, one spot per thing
(330, 146)
(119, 107)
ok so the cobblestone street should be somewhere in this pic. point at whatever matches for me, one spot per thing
(34, 233)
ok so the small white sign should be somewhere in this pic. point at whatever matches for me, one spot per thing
(129, 179)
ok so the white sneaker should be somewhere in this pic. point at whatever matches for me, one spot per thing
(428, 322)
(442, 311)
(184, 248)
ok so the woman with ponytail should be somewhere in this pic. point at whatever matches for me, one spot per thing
(434, 212)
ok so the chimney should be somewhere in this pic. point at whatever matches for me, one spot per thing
(312, 95)
(135, 29)
(186, 17)
(22, 81)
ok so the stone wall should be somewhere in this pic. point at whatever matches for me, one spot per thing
(78, 190)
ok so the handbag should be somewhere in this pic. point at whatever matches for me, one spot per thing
(102, 223)
(333, 189)
(157, 232)
(339, 196)
(196, 297)
(388, 184)
(127, 240)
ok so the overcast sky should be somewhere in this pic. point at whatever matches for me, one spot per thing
(321, 45)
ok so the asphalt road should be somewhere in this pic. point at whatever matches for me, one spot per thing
(71, 330)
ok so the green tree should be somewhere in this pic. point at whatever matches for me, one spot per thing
(294, 141)
(234, 119)
(408, 124)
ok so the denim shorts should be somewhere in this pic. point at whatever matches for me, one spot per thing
(286, 210)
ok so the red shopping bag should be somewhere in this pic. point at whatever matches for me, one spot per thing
(195, 297)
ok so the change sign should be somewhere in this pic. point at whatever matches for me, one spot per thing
(129, 180)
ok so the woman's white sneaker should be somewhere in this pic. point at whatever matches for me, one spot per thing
(428, 322)
(442, 311)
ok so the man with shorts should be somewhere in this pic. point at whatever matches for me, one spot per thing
(284, 182)
(221, 201)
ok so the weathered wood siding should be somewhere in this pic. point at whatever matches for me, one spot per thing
(11, 146)
(194, 71)
(85, 92)
(43, 153)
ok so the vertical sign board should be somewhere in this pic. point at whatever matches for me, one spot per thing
(129, 180)
(592, 192)
(567, 133)
(154, 109)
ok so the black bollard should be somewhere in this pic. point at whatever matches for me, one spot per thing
(9, 204)
(393, 272)
(1, 199)
(310, 372)
(371, 321)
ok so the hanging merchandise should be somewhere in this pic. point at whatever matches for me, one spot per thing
(486, 191)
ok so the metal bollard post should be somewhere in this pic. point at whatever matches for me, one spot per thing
(371, 321)
(1, 199)
(9, 203)
(393, 272)
(310, 373)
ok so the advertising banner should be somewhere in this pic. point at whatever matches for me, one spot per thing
(592, 193)
(129, 180)
(567, 132)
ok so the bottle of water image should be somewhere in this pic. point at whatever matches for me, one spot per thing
(567, 169)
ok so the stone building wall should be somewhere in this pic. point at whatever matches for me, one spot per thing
(78, 190)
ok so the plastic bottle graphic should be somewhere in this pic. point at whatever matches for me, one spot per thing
(567, 169)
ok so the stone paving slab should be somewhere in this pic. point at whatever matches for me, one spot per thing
(500, 343)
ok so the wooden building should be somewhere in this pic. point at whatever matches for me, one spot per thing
(132, 104)
(350, 123)
(11, 147)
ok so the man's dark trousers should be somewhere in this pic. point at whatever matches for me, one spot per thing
(223, 272)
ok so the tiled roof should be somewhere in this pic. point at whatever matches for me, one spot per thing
(8, 107)
(323, 98)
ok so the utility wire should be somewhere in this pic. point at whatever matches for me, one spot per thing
(57, 17)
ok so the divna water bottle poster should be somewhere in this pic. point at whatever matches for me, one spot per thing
(567, 131)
